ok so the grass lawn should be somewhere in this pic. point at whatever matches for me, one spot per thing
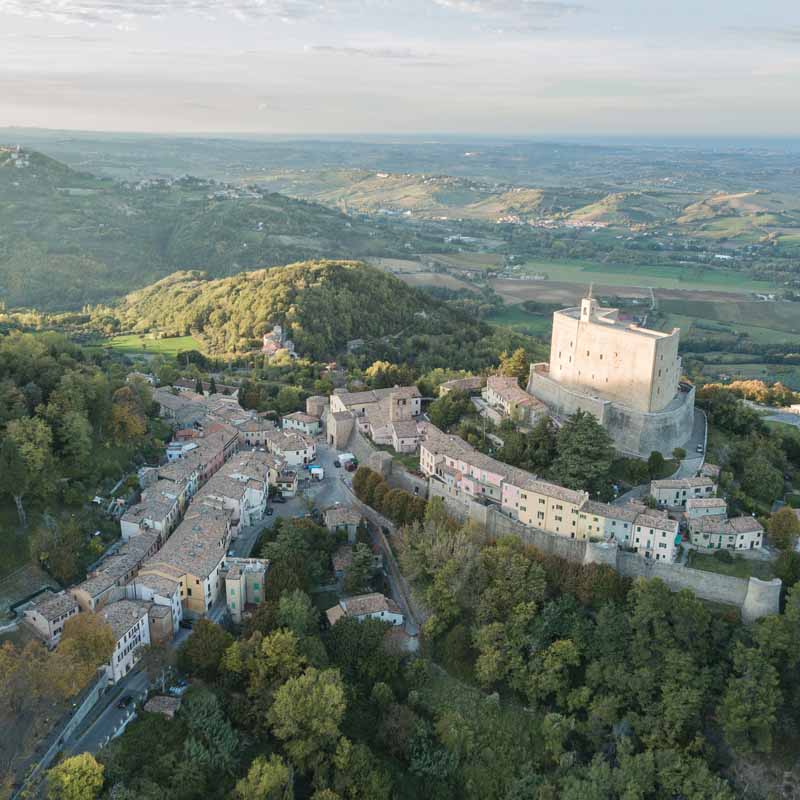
(170, 347)
(519, 319)
(740, 568)
(409, 460)
(661, 276)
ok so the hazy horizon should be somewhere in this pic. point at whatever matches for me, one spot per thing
(515, 68)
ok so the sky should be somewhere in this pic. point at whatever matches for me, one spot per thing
(488, 67)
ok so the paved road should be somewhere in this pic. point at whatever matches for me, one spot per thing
(105, 719)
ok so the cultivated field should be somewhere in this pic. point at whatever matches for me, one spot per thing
(471, 262)
(435, 279)
(169, 347)
(646, 276)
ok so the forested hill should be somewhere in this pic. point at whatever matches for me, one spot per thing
(69, 238)
(322, 304)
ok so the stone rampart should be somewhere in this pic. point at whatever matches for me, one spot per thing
(633, 432)
(753, 597)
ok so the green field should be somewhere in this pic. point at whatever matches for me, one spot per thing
(740, 568)
(658, 277)
(170, 347)
(523, 321)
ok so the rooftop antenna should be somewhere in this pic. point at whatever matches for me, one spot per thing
(591, 288)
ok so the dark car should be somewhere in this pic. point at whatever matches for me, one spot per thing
(270, 512)
(278, 499)
(186, 623)
(337, 463)
(125, 701)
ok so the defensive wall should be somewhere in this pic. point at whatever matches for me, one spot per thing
(634, 432)
(753, 597)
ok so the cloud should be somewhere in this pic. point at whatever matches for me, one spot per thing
(539, 9)
(112, 12)
(392, 53)
(788, 35)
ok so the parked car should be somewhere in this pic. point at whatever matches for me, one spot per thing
(179, 690)
(186, 623)
(699, 448)
(124, 701)
(351, 466)
(337, 463)
(270, 511)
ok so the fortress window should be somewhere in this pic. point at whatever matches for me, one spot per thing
(659, 373)
(587, 352)
(601, 356)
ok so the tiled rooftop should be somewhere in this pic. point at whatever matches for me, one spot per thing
(51, 606)
(123, 615)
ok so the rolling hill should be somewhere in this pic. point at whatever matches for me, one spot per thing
(322, 305)
(69, 238)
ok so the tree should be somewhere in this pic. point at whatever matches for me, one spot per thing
(655, 464)
(359, 572)
(267, 779)
(750, 702)
(448, 410)
(76, 778)
(86, 643)
(198, 386)
(128, 422)
(212, 385)
(515, 365)
(783, 528)
(679, 454)
(25, 456)
(585, 454)
(296, 612)
(201, 654)
(306, 716)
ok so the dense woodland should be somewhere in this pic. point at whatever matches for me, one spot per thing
(322, 305)
(539, 679)
(70, 426)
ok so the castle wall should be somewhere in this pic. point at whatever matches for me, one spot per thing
(632, 431)
(755, 598)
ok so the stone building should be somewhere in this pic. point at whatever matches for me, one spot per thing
(627, 376)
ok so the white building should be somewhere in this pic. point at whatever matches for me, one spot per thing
(674, 492)
(699, 507)
(737, 533)
(366, 606)
(129, 622)
(304, 423)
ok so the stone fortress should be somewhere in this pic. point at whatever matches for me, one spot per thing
(628, 377)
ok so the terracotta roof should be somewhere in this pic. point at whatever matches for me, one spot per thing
(162, 704)
(372, 603)
(681, 483)
(341, 515)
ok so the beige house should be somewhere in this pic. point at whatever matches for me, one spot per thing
(47, 614)
(294, 449)
(159, 511)
(129, 621)
(505, 395)
(126, 562)
(245, 583)
(194, 555)
(366, 606)
(545, 505)
(736, 533)
(303, 423)
(674, 492)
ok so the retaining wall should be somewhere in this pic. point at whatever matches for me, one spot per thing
(755, 598)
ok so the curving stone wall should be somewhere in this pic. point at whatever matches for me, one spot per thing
(754, 597)
(632, 431)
